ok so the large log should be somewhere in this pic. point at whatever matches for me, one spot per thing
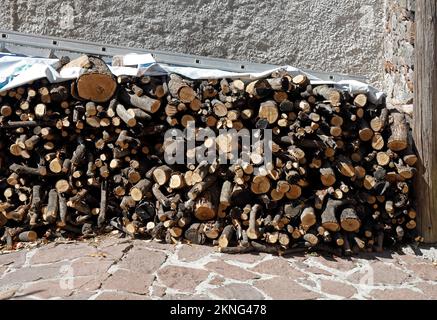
(349, 220)
(398, 140)
(95, 82)
(179, 89)
(206, 207)
(329, 219)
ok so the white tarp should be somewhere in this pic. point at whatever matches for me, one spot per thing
(16, 71)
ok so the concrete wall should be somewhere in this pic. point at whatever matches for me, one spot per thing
(329, 35)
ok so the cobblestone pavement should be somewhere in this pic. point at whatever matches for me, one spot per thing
(112, 268)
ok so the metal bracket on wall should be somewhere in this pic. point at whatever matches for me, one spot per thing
(46, 46)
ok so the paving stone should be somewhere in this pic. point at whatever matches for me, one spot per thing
(114, 295)
(237, 291)
(186, 297)
(428, 289)
(382, 274)
(337, 288)
(143, 261)
(217, 281)
(87, 266)
(15, 259)
(132, 276)
(386, 256)
(3, 270)
(112, 242)
(230, 271)
(48, 245)
(317, 271)
(150, 244)
(158, 291)
(181, 278)
(113, 251)
(408, 259)
(62, 287)
(340, 264)
(8, 293)
(129, 281)
(248, 258)
(45, 255)
(89, 283)
(24, 298)
(44, 289)
(281, 288)
(312, 283)
(189, 253)
(31, 273)
(296, 257)
(304, 267)
(279, 267)
(82, 295)
(425, 271)
(396, 294)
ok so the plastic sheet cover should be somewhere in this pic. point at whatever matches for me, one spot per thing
(17, 70)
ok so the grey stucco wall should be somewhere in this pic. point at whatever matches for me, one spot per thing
(329, 35)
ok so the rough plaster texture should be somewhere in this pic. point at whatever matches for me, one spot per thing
(400, 29)
(329, 35)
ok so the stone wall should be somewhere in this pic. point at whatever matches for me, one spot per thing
(399, 51)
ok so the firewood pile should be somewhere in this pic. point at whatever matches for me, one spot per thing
(85, 157)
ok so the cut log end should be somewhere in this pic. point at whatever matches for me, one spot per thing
(28, 236)
(260, 185)
(96, 87)
(187, 94)
(204, 212)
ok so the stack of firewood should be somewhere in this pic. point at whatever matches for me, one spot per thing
(87, 156)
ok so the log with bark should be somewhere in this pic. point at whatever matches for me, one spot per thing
(95, 82)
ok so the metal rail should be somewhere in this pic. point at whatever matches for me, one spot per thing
(46, 46)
